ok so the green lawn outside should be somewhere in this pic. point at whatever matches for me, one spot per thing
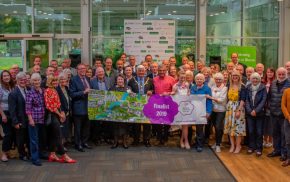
(7, 62)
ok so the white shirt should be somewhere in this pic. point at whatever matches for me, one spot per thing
(219, 93)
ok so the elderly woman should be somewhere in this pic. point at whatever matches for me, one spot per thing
(285, 105)
(54, 116)
(235, 125)
(68, 72)
(207, 74)
(201, 88)
(6, 85)
(35, 109)
(274, 99)
(255, 102)
(219, 98)
(120, 129)
(65, 100)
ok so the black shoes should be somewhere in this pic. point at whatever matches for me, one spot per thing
(147, 143)
(24, 158)
(87, 146)
(37, 163)
(283, 158)
(79, 148)
(274, 154)
(115, 145)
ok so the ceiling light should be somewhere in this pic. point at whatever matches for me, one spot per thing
(174, 11)
(211, 15)
(46, 18)
(49, 14)
(169, 14)
(44, 13)
(223, 12)
(6, 14)
(39, 11)
(216, 14)
(149, 11)
(15, 12)
(160, 18)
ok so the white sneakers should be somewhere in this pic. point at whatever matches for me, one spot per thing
(218, 149)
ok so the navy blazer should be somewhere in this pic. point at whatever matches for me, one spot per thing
(79, 99)
(65, 104)
(16, 106)
(259, 102)
(109, 84)
(148, 85)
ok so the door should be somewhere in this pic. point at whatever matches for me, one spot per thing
(11, 52)
(37, 47)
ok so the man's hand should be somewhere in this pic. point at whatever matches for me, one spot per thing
(253, 113)
(87, 91)
(4, 118)
(149, 93)
(17, 126)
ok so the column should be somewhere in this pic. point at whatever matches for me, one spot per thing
(201, 29)
(86, 25)
(284, 32)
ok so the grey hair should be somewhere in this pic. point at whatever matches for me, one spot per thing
(200, 75)
(219, 76)
(35, 76)
(250, 68)
(255, 75)
(281, 69)
(140, 67)
(20, 75)
(62, 75)
(67, 71)
(188, 72)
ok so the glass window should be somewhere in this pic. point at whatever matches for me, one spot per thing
(108, 22)
(223, 18)
(15, 16)
(63, 48)
(57, 16)
(261, 19)
(10, 54)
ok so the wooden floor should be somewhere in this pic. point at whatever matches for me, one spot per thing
(250, 168)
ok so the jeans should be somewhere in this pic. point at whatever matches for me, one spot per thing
(33, 138)
(199, 135)
(278, 134)
(217, 119)
(287, 136)
(255, 126)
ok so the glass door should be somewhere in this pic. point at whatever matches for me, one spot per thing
(41, 47)
(11, 53)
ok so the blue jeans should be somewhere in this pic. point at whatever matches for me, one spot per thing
(255, 126)
(34, 144)
(278, 134)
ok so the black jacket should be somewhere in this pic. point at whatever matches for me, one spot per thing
(148, 85)
(259, 102)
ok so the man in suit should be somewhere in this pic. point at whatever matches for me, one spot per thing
(132, 63)
(141, 85)
(16, 102)
(120, 67)
(100, 82)
(79, 89)
(154, 70)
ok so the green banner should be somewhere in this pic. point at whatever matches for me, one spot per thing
(247, 54)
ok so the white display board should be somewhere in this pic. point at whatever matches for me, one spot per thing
(154, 37)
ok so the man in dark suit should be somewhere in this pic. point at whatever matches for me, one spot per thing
(141, 85)
(154, 70)
(100, 82)
(16, 102)
(79, 89)
(132, 63)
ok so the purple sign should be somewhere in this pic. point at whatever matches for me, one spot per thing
(160, 109)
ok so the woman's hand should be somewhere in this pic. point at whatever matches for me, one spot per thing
(253, 113)
(4, 118)
(62, 117)
(237, 114)
(31, 123)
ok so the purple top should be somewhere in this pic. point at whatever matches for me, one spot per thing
(35, 105)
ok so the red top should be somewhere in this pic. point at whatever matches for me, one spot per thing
(162, 85)
(52, 102)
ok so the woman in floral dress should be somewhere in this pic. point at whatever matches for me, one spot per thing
(235, 124)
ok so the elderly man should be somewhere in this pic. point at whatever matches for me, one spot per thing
(154, 70)
(132, 63)
(79, 89)
(66, 64)
(16, 104)
(249, 72)
(287, 66)
(260, 69)
(163, 85)
(141, 85)
(274, 99)
(230, 67)
(100, 82)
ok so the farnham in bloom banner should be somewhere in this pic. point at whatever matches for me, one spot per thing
(156, 109)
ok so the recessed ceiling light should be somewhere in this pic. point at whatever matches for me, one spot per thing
(149, 11)
(160, 18)
(216, 14)
(15, 12)
(169, 14)
(46, 18)
(39, 11)
(178, 18)
(174, 11)
(49, 14)
(223, 12)
(44, 13)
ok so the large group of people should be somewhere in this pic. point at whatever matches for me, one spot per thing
(44, 110)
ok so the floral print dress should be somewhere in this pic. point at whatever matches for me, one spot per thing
(234, 126)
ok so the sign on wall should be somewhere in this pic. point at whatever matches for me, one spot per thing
(247, 54)
(154, 37)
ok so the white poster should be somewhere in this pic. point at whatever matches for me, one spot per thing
(154, 37)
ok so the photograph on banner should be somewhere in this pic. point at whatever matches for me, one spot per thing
(247, 54)
(156, 109)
